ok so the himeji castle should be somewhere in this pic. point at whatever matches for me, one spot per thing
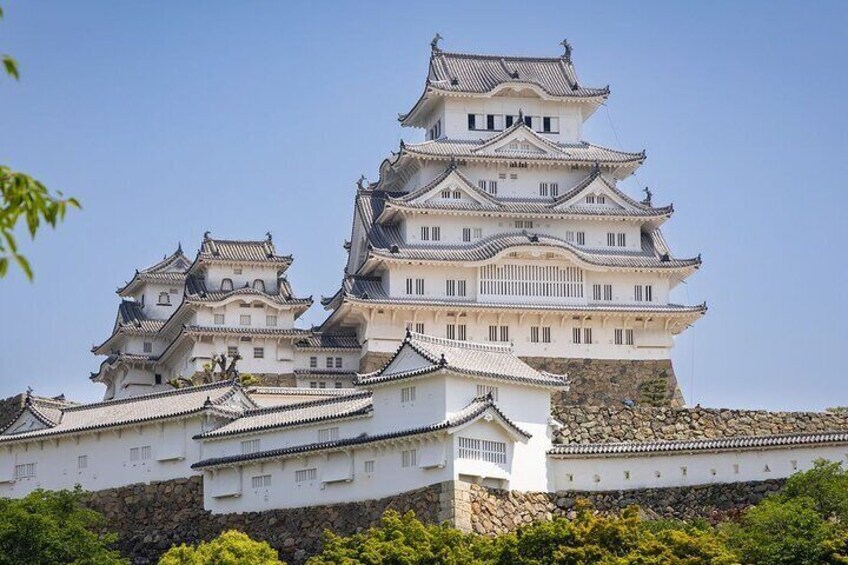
(505, 226)
(504, 300)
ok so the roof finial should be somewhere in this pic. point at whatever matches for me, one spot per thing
(596, 169)
(434, 45)
(408, 334)
(520, 115)
(452, 162)
(648, 196)
(207, 235)
(268, 236)
(361, 182)
(566, 47)
(28, 398)
(179, 248)
(442, 360)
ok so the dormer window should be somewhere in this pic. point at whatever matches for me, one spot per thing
(227, 285)
(590, 199)
(457, 195)
(446, 194)
(164, 299)
(259, 285)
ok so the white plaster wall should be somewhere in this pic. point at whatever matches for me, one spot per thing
(278, 353)
(214, 274)
(108, 458)
(646, 471)
(257, 309)
(350, 359)
(151, 291)
(389, 478)
(456, 110)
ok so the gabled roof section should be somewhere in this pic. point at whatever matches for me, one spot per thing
(462, 357)
(196, 291)
(597, 182)
(131, 320)
(170, 270)
(240, 251)
(35, 414)
(462, 74)
(320, 341)
(475, 410)
(452, 178)
(291, 415)
(225, 398)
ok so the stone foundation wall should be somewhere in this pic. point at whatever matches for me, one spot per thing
(601, 424)
(150, 518)
(490, 511)
(609, 382)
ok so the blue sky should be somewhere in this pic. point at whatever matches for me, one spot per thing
(169, 119)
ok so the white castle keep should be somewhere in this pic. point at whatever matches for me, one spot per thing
(494, 270)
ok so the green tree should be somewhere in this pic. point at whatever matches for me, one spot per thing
(404, 540)
(24, 198)
(229, 548)
(826, 484)
(618, 539)
(787, 532)
(53, 527)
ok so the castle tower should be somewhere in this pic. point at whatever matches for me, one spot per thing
(505, 226)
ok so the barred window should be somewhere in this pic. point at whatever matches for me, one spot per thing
(82, 462)
(270, 321)
(643, 293)
(25, 470)
(576, 335)
(483, 390)
(407, 394)
(369, 466)
(313, 362)
(546, 334)
(466, 234)
(219, 319)
(232, 350)
(450, 287)
(303, 475)
(258, 352)
(531, 280)
(328, 434)
(419, 286)
(249, 446)
(244, 320)
(460, 287)
(409, 458)
(534, 334)
(482, 450)
(338, 362)
(262, 481)
(419, 327)
(581, 238)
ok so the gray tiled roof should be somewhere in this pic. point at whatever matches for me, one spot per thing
(136, 409)
(246, 330)
(170, 270)
(468, 73)
(253, 251)
(547, 206)
(274, 417)
(464, 357)
(660, 447)
(197, 291)
(337, 373)
(320, 340)
(487, 248)
(475, 409)
(568, 153)
(131, 317)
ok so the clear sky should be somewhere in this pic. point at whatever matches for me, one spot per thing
(168, 119)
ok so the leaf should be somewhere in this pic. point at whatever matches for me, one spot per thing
(4, 266)
(23, 263)
(11, 67)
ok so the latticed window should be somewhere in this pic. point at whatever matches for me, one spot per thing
(262, 481)
(483, 390)
(303, 475)
(531, 280)
(328, 434)
(482, 450)
(409, 458)
(249, 446)
(25, 470)
(407, 394)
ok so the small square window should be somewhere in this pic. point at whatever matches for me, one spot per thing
(232, 351)
(270, 321)
(219, 319)
(244, 320)
(258, 352)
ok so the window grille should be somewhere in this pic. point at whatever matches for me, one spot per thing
(262, 481)
(303, 475)
(82, 462)
(258, 352)
(466, 234)
(270, 321)
(328, 434)
(483, 390)
(219, 319)
(313, 362)
(409, 458)
(419, 327)
(25, 470)
(482, 450)
(407, 394)
(338, 362)
(249, 446)
(369, 466)
(531, 280)
(419, 286)
(244, 320)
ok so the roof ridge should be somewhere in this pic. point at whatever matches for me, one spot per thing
(358, 395)
(162, 394)
(461, 344)
(498, 57)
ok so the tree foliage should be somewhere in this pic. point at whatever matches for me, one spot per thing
(404, 540)
(229, 548)
(24, 198)
(53, 527)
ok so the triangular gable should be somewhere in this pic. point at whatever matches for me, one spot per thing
(406, 360)
(519, 138)
(613, 199)
(27, 421)
(455, 188)
(493, 416)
